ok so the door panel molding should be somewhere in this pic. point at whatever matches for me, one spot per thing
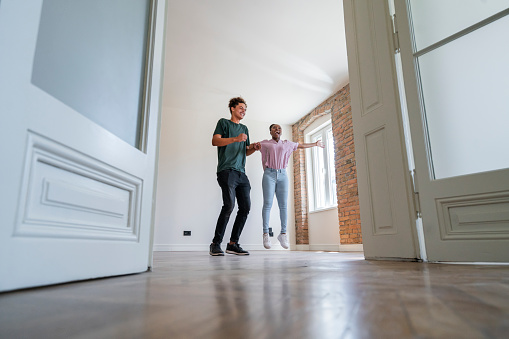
(368, 68)
(481, 216)
(379, 183)
(68, 194)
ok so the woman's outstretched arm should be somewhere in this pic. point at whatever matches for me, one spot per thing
(312, 144)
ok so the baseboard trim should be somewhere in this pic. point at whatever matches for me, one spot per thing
(259, 247)
(178, 247)
(330, 248)
(351, 248)
(324, 247)
(205, 247)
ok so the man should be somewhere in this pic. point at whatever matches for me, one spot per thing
(232, 141)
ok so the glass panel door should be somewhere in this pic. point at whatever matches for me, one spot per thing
(456, 91)
(91, 55)
(465, 84)
(434, 20)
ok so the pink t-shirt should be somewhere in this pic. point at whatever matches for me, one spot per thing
(275, 154)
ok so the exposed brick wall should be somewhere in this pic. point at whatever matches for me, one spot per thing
(346, 174)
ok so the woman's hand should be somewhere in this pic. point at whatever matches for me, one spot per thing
(319, 143)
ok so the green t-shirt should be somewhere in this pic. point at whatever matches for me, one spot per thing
(232, 156)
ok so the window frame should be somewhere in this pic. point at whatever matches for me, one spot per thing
(328, 191)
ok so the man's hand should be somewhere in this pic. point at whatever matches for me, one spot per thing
(241, 137)
(253, 148)
(218, 140)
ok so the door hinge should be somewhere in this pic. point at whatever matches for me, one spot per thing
(395, 35)
(415, 191)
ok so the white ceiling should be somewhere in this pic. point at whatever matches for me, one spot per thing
(284, 57)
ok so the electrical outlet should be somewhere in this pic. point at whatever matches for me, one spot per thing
(187, 233)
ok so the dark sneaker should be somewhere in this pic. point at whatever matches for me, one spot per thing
(236, 249)
(215, 249)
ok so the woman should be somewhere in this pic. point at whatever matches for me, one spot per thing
(275, 155)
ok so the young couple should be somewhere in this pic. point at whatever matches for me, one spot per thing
(233, 145)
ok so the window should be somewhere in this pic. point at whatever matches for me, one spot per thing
(323, 178)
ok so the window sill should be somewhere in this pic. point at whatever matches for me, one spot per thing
(335, 207)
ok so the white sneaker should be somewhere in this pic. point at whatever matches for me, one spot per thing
(283, 239)
(266, 240)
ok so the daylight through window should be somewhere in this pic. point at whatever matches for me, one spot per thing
(323, 194)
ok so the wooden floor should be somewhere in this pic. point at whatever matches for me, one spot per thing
(269, 294)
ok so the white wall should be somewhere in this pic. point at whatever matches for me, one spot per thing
(324, 230)
(188, 196)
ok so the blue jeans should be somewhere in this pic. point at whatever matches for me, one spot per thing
(275, 181)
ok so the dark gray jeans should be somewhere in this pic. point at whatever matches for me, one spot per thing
(234, 184)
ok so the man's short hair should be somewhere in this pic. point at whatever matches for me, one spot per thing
(234, 102)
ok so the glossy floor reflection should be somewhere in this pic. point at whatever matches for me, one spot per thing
(269, 294)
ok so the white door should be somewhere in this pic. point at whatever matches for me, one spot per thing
(456, 78)
(385, 190)
(78, 148)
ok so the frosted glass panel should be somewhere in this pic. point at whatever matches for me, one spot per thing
(465, 88)
(434, 20)
(90, 55)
